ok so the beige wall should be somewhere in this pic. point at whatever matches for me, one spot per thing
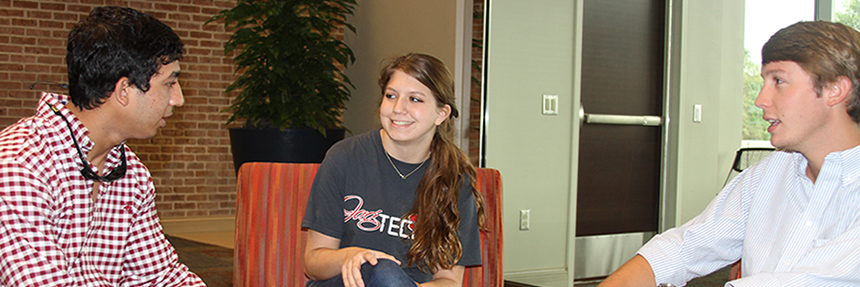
(531, 53)
(710, 74)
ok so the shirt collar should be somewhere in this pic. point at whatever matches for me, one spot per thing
(59, 102)
(847, 162)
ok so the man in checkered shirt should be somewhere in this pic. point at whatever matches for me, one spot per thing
(77, 205)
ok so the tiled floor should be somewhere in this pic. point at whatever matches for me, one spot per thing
(214, 264)
(223, 239)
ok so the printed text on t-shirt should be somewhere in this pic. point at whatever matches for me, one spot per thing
(371, 221)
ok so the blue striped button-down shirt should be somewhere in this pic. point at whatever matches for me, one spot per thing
(788, 230)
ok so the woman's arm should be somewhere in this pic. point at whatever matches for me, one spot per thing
(325, 260)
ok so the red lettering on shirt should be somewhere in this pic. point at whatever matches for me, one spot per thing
(370, 220)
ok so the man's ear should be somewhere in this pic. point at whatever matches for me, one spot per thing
(838, 91)
(121, 91)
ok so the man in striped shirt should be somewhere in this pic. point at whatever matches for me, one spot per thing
(793, 218)
(77, 205)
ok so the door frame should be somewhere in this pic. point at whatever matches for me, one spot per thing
(671, 112)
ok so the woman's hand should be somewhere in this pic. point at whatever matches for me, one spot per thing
(325, 260)
(355, 257)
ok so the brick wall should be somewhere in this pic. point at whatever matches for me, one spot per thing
(476, 99)
(190, 158)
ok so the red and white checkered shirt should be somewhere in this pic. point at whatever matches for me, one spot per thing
(54, 234)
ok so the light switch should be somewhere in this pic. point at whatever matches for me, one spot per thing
(697, 113)
(550, 104)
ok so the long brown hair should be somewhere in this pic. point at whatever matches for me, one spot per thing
(435, 242)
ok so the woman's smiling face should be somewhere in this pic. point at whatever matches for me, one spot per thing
(409, 112)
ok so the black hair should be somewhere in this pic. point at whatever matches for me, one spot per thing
(115, 42)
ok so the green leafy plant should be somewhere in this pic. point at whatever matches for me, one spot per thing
(754, 126)
(290, 62)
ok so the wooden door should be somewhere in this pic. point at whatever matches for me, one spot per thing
(622, 74)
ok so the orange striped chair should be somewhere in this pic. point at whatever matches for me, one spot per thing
(271, 201)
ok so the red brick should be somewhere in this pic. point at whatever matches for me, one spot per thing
(165, 7)
(26, 4)
(52, 6)
(11, 13)
(11, 67)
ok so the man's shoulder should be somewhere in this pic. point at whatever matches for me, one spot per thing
(26, 152)
(137, 169)
(26, 135)
(779, 160)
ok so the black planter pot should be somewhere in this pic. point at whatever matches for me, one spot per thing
(273, 145)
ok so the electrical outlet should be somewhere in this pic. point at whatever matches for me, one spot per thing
(524, 219)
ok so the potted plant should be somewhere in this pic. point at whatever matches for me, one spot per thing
(292, 89)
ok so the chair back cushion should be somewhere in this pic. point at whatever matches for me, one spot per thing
(489, 183)
(270, 204)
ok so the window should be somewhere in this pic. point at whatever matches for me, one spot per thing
(847, 12)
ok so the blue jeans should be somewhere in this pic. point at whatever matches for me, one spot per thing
(386, 273)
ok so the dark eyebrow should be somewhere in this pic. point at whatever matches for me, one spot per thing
(175, 74)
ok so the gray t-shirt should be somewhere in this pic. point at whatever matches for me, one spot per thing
(358, 197)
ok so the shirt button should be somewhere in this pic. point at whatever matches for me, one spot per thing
(85, 250)
(809, 224)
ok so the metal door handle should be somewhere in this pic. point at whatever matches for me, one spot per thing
(618, 119)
